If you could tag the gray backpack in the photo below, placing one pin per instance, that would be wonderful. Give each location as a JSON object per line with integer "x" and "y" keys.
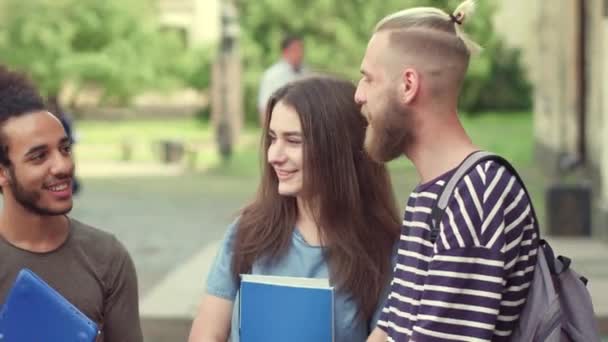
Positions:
{"x": 558, "y": 307}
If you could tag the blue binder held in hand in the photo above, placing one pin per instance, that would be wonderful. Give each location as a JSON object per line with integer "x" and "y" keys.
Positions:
{"x": 278, "y": 309}
{"x": 33, "y": 311}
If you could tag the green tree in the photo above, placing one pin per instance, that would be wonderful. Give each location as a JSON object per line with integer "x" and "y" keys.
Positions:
{"x": 336, "y": 34}
{"x": 113, "y": 44}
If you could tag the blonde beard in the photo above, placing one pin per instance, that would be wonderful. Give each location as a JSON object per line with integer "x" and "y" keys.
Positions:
{"x": 382, "y": 149}
{"x": 387, "y": 136}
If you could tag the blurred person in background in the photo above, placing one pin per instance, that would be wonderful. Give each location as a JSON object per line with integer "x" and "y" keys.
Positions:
{"x": 288, "y": 68}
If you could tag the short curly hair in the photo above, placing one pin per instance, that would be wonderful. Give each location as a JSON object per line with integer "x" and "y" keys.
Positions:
{"x": 18, "y": 96}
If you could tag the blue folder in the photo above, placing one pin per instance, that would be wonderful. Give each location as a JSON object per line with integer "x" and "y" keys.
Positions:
{"x": 33, "y": 311}
{"x": 274, "y": 309}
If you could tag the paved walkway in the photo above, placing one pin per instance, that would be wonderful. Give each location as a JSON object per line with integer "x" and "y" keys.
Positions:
{"x": 176, "y": 296}
{"x": 172, "y": 222}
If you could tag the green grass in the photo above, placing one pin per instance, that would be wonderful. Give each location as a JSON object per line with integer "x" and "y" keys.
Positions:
{"x": 108, "y": 140}
{"x": 102, "y": 140}
{"x": 508, "y": 134}
{"x": 104, "y": 132}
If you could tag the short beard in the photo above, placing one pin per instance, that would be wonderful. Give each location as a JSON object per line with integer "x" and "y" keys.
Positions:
{"x": 29, "y": 199}
{"x": 390, "y": 133}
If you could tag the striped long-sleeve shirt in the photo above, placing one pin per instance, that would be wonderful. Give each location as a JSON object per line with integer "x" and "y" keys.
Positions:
{"x": 470, "y": 285}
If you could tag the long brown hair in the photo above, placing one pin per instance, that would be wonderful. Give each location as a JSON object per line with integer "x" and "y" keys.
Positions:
{"x": 357, "y": 214}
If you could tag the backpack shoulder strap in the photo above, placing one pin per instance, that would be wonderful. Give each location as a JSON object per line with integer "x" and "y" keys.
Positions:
{"x": 465, "y": 167}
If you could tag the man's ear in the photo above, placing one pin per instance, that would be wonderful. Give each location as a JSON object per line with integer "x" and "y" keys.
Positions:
{"x": 5, "y": 176}
{"x": 410, "y": 85}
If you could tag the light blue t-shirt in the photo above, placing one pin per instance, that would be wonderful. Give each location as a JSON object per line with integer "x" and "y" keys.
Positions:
{"x": 302, "y": 260}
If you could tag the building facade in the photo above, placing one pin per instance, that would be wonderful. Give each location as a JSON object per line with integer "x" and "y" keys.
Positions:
{"x": 565, "y": 46}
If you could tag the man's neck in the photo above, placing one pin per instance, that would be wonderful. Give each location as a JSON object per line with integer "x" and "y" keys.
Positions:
{"x": 440, "y": 147}
{"x": 32, "y": 232}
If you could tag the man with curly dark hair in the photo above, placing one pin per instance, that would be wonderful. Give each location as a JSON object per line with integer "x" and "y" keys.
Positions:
{"x": 89, "y": 267}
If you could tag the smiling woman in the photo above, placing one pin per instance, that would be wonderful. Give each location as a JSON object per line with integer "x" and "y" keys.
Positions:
{"x": 285, "y": 149}
{"x": 323, "y": 209}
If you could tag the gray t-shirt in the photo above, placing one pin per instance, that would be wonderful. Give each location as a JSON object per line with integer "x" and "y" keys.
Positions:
{"x": 92, "y": 270}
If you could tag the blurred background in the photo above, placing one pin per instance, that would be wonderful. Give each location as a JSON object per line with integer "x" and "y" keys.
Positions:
{"x": 161, "y": 97}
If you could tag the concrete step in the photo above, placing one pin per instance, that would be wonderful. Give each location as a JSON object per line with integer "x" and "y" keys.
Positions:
{"x": 165, "y": 329}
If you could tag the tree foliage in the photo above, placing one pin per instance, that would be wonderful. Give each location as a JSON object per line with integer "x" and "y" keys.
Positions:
{"x": 336, "y": 34}
{"x": 113, "y": 44}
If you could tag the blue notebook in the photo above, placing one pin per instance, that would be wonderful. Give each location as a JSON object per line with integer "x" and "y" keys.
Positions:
{"x": 274, "y": 309}
{"x": 33, "y": 311}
